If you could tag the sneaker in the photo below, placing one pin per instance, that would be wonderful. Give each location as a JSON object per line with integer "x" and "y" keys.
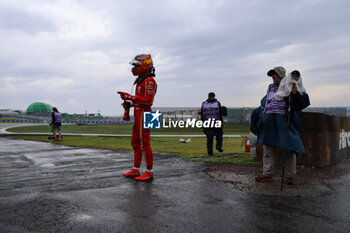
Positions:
{"x": 132, "y": 173}
{"x": 263, "y": 178}
{"x": 145, "y": 176}
{"x": 290, "y": 181}
{"x": 220, "y": 149}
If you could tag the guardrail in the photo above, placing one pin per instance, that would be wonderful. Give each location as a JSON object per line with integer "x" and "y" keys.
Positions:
{"x": 66, "y": 122}
{"x": 22, "y": 121}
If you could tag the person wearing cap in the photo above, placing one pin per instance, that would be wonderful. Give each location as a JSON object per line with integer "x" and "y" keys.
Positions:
{"x": 211, "y": 109}
{"x": 273, "y": 125}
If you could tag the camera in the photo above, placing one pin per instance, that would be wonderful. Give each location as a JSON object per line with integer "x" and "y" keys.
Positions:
{"x": 295, "y": 74}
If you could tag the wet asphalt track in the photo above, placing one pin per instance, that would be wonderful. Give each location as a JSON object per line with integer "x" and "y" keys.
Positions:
{"x": 54, "y": 188}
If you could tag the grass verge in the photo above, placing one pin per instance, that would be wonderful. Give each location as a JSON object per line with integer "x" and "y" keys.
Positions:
{"x": 229, "y": 129}
{"x": 196, "y": 149}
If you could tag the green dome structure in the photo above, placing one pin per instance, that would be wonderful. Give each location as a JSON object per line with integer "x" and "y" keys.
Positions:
{"x": 39, "y": 107}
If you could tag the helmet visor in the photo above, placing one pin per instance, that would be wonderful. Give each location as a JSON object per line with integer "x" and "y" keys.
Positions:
{"x": 135, "y": 62}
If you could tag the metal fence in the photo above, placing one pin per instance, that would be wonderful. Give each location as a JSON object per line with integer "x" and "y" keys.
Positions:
{"x": 66, "y": 122}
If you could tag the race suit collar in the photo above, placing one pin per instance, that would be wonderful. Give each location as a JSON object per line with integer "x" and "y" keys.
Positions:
{"x": 142, "y": 78}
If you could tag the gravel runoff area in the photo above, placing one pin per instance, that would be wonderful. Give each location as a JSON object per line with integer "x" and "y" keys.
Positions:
{"x": 309, "y": 180}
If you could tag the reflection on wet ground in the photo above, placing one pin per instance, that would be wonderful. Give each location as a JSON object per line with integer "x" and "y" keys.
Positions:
{"x": 52, "y": 188}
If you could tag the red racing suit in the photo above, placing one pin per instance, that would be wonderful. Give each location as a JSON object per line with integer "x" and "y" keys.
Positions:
{"x": 140, "y": 141}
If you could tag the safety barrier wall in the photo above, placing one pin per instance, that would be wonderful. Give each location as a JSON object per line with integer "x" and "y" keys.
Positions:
{"x": 326, "y": 139}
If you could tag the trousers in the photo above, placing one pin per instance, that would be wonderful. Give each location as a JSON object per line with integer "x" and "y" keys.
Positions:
{"x": 210, "y": 133}
{"x": 140, "y": 141}
{"x": 269, "y": 162}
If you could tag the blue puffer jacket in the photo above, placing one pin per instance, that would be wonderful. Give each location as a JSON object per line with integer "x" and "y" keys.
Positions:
{"x": 271, "y": 128}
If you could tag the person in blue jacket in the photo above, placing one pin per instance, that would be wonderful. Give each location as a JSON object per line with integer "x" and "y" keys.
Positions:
{"x": 270, "y": 123}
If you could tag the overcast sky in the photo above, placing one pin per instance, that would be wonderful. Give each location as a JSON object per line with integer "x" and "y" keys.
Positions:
{"x": 74, "y": 54}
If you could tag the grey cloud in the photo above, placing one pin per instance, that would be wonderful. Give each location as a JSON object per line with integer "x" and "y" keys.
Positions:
{"x": 197, "y": 46}
{"x": 24, "y": 21}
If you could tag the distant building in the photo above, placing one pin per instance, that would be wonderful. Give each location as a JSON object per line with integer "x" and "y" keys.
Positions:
{"x": 39, "y": 109}
{"x": 6, "y": 111}
{"x": 178, "y": 113}
{"x": 333, "y": 111}
{"x": 235, "y": 115}
{"x": 9, "y": 113}
{"x": 238, "y": 115}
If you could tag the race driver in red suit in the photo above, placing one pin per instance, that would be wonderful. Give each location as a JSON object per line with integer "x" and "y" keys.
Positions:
{"x": 146, "y": 88}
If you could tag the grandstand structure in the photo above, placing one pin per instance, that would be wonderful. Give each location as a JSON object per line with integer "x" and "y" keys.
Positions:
{"x": 40, "y": 112}
{"x": 234, "y": 115}
{"x": 239, "y": 114}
